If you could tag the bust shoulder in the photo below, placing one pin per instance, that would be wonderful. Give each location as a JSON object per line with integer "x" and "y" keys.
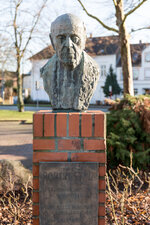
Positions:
{"x": 90, "y": 62}
{"x": 47, "y": 69}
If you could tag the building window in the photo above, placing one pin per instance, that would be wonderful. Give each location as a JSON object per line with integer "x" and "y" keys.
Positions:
{"x": 103, "y": 70}
{"x": 135, "y": 74}
{"x": 135, "y": 91}
{"x": 122, "y": 91}
{"x": 121, "y": 74}
{"x": 146, "y": 91}
{"x": 40, "y": 72}
{"x": 147, "y": 57}
{"x": 147, "y": 73}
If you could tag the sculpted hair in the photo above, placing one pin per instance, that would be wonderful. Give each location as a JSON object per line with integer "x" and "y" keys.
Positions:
{"x": 69, "y": 20}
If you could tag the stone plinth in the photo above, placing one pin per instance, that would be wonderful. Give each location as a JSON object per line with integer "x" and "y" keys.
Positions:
{"x": 69, "y": 137}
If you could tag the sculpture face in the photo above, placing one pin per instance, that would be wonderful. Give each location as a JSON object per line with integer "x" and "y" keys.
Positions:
{"x": 68, "y": 38}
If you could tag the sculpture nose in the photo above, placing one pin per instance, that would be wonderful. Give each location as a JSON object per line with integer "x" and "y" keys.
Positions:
{"x": 68, "y": 42}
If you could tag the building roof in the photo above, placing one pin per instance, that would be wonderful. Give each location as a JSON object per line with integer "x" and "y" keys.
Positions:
{"x": 96, "y": 46}
{"x": 9, "y": 75}
{"x": 46, "y": 53}
{"x": 136, "y": 54}
{"x": 102, "y": 45}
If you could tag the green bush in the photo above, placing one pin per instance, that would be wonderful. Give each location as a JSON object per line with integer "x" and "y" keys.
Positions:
{"x": 111, "y": 82}
{"x": 28, "y": 100}
{"x": 9, "y": 83}
{"x": 128, "y": 131}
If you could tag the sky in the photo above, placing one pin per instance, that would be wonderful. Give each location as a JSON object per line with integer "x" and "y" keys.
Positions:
{"x": 103, "y": 9}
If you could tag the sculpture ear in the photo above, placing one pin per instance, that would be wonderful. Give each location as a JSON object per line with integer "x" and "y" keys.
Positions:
{"x": 50, "y": 36}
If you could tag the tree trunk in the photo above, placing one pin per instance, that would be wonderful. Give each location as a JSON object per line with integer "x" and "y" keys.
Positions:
{"x": 125, "y": 50}
{"x": 19, "y": 87}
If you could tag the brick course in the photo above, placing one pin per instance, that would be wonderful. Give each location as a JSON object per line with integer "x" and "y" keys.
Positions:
{"x": 74, "y": 125}
{"x": 99, "y": 125}
{"x": 49, "y": 124}
{"x": 102, "y": 171}
{"x": 43, "y": 144}
{"x": 35, "y": 210}
{"x": 86, "y": 125}
{"x": 38, "y": 125}
{"x": 61, "y": 124}
{"x": 94, "y": 144}
{"x": 88, "y": 157}
{"x": 35, "y": 170}
{"x": 70, "y": 144}
{"x": 35, "y": 221}
{"x": 35, "y": 183}
{"x": 35, "y": 197}
{"x": 49, "y": 157}
{"x": 102, "y": 197}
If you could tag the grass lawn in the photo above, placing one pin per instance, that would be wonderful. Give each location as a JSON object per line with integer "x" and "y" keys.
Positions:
{"x": 14, "y": 115}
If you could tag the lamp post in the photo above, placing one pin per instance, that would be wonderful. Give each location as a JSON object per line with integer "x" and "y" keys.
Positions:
{"x": 37, "y": 87}
{"x": 3, "y": 83}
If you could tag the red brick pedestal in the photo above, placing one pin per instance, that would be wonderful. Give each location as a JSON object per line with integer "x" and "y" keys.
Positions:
{"x": 69, "y": 137}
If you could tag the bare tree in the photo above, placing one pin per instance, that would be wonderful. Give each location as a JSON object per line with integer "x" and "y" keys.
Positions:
{"x": 21, "y": 44}
{"x": 21, "y": 28}
{"x": 123, "y": 34}
{"x": 7, "y": 56}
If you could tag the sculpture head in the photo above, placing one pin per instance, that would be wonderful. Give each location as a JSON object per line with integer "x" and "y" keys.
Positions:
{"x": 68, "y": 37}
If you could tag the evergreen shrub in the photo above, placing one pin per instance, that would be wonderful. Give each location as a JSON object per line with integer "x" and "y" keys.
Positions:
{"x": 128, "y": 131}
{"x": 111, "y": 81}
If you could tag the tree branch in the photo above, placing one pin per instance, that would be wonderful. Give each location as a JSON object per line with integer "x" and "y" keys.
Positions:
{"x": 33, "y": 27}
{"x": 96, "y": 18}
{"x": 15, "y": 27}
{"x": 142, "y": 28}
{"x": 20, "y": 39}
{"x": 9, "y": 33}
{"x": 133, "y": 10}
{"x": 115, "y": 3}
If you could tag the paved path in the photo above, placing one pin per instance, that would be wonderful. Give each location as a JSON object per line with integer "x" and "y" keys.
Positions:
{"x": 16, "y": 142}
{"x": 30, "y": 108}
{"x": 26, "y": 108}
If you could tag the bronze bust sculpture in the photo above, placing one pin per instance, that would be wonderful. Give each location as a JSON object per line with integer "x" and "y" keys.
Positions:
{"x": 71, "y": 75}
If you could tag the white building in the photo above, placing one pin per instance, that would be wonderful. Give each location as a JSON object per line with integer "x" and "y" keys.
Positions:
{"x": 106, "y": 52}
{"x": 27, "y": 85}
